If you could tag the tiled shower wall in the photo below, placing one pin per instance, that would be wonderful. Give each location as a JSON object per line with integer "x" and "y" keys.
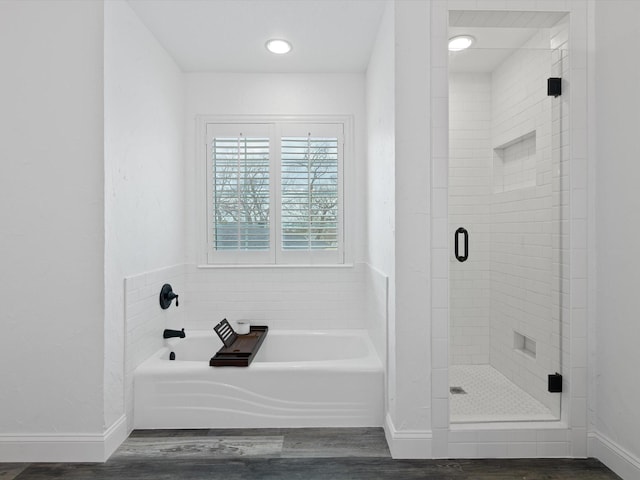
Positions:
{"x": 145, "y": 321}
{"x": 522, "y": 226}
{"x": 469, "y": 203}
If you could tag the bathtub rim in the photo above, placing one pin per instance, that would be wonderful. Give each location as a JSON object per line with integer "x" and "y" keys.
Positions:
{"x": 370, "y": 362}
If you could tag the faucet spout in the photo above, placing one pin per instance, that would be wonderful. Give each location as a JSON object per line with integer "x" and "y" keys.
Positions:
{"x": 173, "y": 333}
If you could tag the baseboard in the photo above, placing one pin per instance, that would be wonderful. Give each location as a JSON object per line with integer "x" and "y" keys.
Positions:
{"x": 407, "y": 444}
{"x": 114, "y": 436}
{"x": 63, "y": 447}
{"x": 622, "y": 462}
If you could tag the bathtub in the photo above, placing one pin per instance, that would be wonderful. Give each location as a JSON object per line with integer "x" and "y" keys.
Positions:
{"x": 330, "y": 378}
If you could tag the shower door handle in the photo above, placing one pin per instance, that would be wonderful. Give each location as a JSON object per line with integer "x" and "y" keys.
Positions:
{"x": 461, "y": 256}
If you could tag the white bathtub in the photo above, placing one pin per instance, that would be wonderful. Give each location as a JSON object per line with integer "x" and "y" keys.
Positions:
{"x": 298, "y": 379}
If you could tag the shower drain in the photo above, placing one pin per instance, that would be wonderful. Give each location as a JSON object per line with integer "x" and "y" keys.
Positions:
{"x": 457, "y": 390}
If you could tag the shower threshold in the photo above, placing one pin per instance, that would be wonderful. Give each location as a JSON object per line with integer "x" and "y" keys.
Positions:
{"x": 491, "y": 397}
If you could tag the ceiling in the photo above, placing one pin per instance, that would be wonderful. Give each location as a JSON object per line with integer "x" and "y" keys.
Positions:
{"x": 229, "y": 35}
{"x": 328, "y": 36}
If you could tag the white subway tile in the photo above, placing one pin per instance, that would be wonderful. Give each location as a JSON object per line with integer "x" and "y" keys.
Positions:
{"x": 493, "y": 450}
{"x": 463, "y": 450}
{"x": 522, "y": 450}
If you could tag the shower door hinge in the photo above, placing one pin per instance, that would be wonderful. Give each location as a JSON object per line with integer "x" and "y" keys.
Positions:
{"x": 554, "y": 86}
{"x": 555, "y": 383}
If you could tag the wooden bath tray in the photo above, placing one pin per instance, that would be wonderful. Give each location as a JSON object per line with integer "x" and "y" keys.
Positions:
{"x": 242, "y": 351}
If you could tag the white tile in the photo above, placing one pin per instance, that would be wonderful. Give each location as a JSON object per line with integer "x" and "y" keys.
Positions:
{"x": 440, "y": 263}
{"x": 440, "y": 354}
{"x": 579, "y": 292}
{"x": 492, "y": 450}
{"x": 579, "y": 233}
{"x": 522, "y": 436}
{"x": 439, "y": 82}
{"x": 439, "y": 205}
{"x": 579, "y": 263}
{"x": 440, "y": 413}
{"x": 440, "y": 113}
{"x": 440, "y": 323}
{"x": 440, "y": 141}
{"x": 579, "y": 442}
{"x": 439, "y": 445}
{"x": 579, "y": 173}
{"x": 553, "y": 435}
{"x": 465, "y": 436}
{"x": 440, "y": 384}
{"x": 579, "y": 203}
{"x": 522, "y": 450}
{"x": 440, "y": 172}
{"x": 579, "y": 352}
{"x": 578, "y": 377}
{"x": 463, "y": 450}
{"x": 553, "y": 449}
{"x": 440, "y": 293}
{"x": 490, "y": 396}
{"x": 439, "y": 51}
{"x": 579, "y": 142}
{"x": 579, "y": 412}
{"x": 440, "y": 232}
{"x": 493, "y": 436}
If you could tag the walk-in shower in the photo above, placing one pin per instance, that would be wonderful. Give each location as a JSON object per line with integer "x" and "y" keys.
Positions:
{"x": 507, "y": 174}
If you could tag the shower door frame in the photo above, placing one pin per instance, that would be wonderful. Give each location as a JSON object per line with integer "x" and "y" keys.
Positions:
{"x": 568, "y": 436}
{"x": 505, "y": 303}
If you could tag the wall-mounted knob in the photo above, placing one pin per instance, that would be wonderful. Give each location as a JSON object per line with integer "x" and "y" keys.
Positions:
{"x": 167, "y": 296}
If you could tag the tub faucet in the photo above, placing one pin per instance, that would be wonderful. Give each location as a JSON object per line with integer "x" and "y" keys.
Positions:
{"x": 173, "y": 333}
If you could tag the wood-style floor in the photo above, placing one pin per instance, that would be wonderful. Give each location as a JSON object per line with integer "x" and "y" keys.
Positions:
{"x": 288, "y": 454}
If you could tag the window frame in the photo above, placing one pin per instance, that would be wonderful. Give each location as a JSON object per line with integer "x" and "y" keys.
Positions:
{"x": 279, "y": 126}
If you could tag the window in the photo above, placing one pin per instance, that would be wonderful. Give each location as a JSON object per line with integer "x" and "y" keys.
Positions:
{"x": 274, "y": 193}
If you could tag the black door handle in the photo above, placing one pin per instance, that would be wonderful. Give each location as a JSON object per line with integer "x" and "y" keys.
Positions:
{"x": 465, "y": 254}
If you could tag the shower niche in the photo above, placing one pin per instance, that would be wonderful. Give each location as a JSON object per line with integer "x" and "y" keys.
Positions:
{"x": 514, "y": 164}
{"x": 506, "y": 174}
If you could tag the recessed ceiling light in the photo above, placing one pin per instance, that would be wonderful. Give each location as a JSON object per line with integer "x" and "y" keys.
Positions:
{"x": 460, "y": 42}
{"x": 278, "y": 46}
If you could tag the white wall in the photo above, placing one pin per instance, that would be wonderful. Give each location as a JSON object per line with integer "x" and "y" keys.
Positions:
{"x": 618, "y": 329}
{"x": 52, "y": 235}
{"x": 409, "y": 361}
{"x": 381, "y": 147}
{"x": 380, "y": 181}
{"x": 144, "y": 174}
{"x": 284, "y": 297}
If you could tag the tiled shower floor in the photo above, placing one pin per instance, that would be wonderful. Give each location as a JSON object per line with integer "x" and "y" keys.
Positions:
{"x": 491, "y": 397}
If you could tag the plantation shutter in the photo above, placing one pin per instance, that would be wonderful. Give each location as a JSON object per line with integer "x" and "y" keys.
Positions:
{"x": 310, "y": 196}
{"x": 275, "y": 193}
{"x": 240, "y": 190}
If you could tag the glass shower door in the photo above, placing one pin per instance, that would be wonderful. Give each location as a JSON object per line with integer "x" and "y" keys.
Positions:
{"x": 507, "y": 262}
